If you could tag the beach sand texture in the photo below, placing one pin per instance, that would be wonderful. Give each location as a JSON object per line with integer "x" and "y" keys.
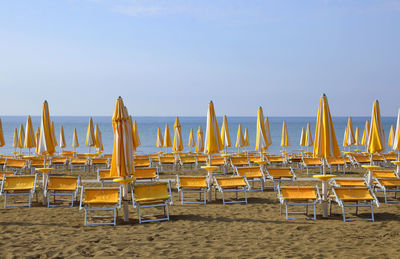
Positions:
{"x": 255, "y": 230}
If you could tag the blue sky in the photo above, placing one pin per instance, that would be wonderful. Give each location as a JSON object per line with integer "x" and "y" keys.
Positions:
{"x": 171, "y": 57}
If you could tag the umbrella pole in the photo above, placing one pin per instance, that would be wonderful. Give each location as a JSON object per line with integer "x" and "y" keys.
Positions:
{"x": 210, "y": 180}
{"x": 324, "y": 193}
{"x": 125, "y": 202}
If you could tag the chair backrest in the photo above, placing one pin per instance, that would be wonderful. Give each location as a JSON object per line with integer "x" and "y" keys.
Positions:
{"x": 145, "y": 173}
{"x": 59, "y": 160}
{"x": 226, "y": 182}
{"x": 390, "y": 157}
{"x": 350, "y": 182}
{"x": 336, "y": 161}
{"x": 152, "y": 192}
{"x": 15, "y": 163}
{"x": 311, "y": 161}
{"x": 141, "y": 157}
{"x": 167, "y": 160}
{"x": 202, "y": 158}
{"x": 104, "y": 195}
{"x": 239, "y": 161}
{"x": 377, "y": 157}
{"x": 298, "y": 192}
{"x": 353, "y": 193}
{"x": 78, "y": 160}
{"x": 155, "y": 157}
{"x": 2, "y": 161}
{"x": 20, "y": 182}
{"x": 384, "y": 174}
{"x": 192, "y": 181}
{"x": 143, "y": 162}
{"x": 276, "y": 159}
{"x": 99, "y": 161}
{"x": 62, "y": 183}
{"x": 37, "y": 163}
{"x": 249, "y": 172}
{"x": 217, "y": 161}
{"x": 280, "y": 172}
{"x": 105, "y": 174}
{"x": 362, "y": 158}
{"x": 187, "y": 159}
{"x": 2, "y": 174}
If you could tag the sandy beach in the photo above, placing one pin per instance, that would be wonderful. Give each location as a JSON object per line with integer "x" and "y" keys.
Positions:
{"x": 255, "y": 230}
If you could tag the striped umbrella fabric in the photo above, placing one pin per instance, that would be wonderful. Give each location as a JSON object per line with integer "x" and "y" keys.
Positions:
{"x": 30, "y": 141}
{"x": 62, "y": 138}
{"x": 98, "y": 140}
{"x": 376, "y": 135}
{"x": 21, "y": 138}
{"x": 167, "y": 137}
{"x": 267, "y": 131}
{"x": 178, "y": 145}
{"x": 349, "y": 139}
{"x": 357, "y": 137}
{"x": 365, "y": 135}
{"x": 261, "y": 137}
{"x": 75, "y": 141}
{"x": 37, "y": 137}
{"x": 302, "y": 138}
{"x": 2, "y": 142}
{"x": 135, "y": 133}
{"x": 191, "y": 142}
{"x": 159, "y": 142}
{"x": 90, "y": 142}
{"x": 200, "y": 140}
{"x": 212, "y": 142}
{"x": 285, "y": 136}
{"x": 46, "y": 140}
{"x": 226, "y": 140}
{"x": 396, "y": 139}
{"x": 239, "y": 138}
{"x": 309, "y": 139}
{"x": 391, "y": 136}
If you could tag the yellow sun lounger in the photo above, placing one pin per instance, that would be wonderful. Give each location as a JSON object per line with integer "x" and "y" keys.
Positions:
{"x": 59, "y": 162}
{"x": 100, "y": 199}
{"x": 78, "y": 163}
{"x": 21, "y": 185}
{"x": 298, "y": 196}
{"x": 279, "y": 174}
{"x": 187, "y": 161}
{"x": 336, "y": 162}
{"x": 103, "y": 176}
{"x": 37, "y": 163}
{"x": 239, "y": 162}
{"x": 349, "y": 182}
{"x": 234, "y": 184}
{"x": 96, "y": 163}
{"x": 167, "y": 161}
{"x": 146, "y": 174}
{"x": 347, "y": 197}
{"x": 61, "y": 186}
{"x": 17, "y": 165}
{"x": 388, "y": 185}
{"x": 5, "y": 173}
{"x": 152, "y": 195}
{"x": 253, "y": 174}
{"x": 142, "y": 162}
{"x": 192, "y": 184}
{"x": 310, "y": 162}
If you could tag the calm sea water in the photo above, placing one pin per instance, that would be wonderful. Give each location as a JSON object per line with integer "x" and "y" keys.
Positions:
{"x": 147, "y": 127}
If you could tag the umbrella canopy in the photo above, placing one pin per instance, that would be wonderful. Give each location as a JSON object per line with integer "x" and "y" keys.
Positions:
{"x": 285, "y": 136}
{"x": 62, "y": 138}
{"x": 2, "y": 143}
{"x": 212, "y": 143}
{"x": 365, "y": 135}
{"x": 75, "y": 142}
{"x": 246, "y": 138}
{"x": 15, "y": 138}
{"x": 325, "y": 145}
{"x": 135, "y": 134}
{"x": 261, "y": 137}
{"x": 30, "y": 141}
{"x": 396, "y": 140}
{"x": 376, "y": 136}
{"x": 348, "y": 139}
{"x": 21, "y": 138}
{"x": 159, "y": 142}
{"x": 391, "y": 136}
{"x": 200, "y": 139}
{"x": 178, "y": 146}
{"x": 226, "y": 140}
{"x": 37, "y": 137}
{"x": 302, "y": 138}
{"x": 357, "y": 137}
{"x": 98, "y": 141}
{"x": 131, "y": 126}
{"x": 267, "y": 131}
{"x": 191, "y": 142}
{"x": 122, "y": 156}
{"x": 90, "y": 141}
{"x": 46, "y": 140}
{"x": 239, "y": 138}
{"x": 309, "y": 140}
{"x": 167, "y": 137}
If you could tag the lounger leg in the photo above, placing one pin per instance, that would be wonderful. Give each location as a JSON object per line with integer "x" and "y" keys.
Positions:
{"x": 315, "y": 212}
{"x": 384, "y": 191}
{"x": 72, "y": 200}
{"x": 182, "y": 197}
{"x": 166, "y": 206}
{"x": 223, "y": 198}
{"x": 287, "y": 211}
{"x": 372, "y": 212}
{"x": 205, "y": 196}
{"x": 85, "y": 217}
{"x": 140, "y": 218}
{"x": 5, "y": 200}
{"x": 357, "y": 208}
{"x": 115, "y": 216}
{"x": 245, "y": 195}
{"x": 344, "y": 214}
{"x": 30, "y": 198}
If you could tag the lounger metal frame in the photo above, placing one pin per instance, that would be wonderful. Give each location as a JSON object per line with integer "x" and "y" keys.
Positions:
{"x": 386, "y": 189}
{"x": 182, "y": 190}
{"x": 261, "y": 179}
{"x": 29, "y": 194}
{"x": 236, "y": 191}
{"x": 280, "y": 179}
{"x": 54, "y": 193}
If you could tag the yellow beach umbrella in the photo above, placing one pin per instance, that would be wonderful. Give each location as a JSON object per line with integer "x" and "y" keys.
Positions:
{"x": 191, "y": 142}
{"x": 130, "y": 124}
{"x": 46, "y": 140}
{"x": 200, "y": 139}
{"x": 309, "y": 140}
{"x": 177, "y": 146}
{"x": 396, "y": 139}
{"x": 261, "y": 137}
{"x": 357, "y": 137}
{"x": 239, "y": 138}
{"x": 98, "y": 141}
{"x": 75, "y": 142}
{"x": 90, "y": 142}
{"x": 21, "y": 138}
{"x": 212, "y": 142}
{"x": 30, "y": 141}
{"x": 391, "y": 136}
{"x": 226, "y": 140}
{"x": 348, "y": 139}
{"x": 15, "y": 139}
{"x": 37, "y": 137}
{"x": 302, "y": 138}
{"x": 267, "y": 131}
{"x": 135, "y": 133}
{"x": 159, "y": 142}
{"x": 53, "y": 130}
{"x": 365, "y": 136}
{"x": 167, "y": 137}
{"x": 285, "y": 136}
{"x": 62, "y": 138}
{"x": 376, "y": 136}
{"x": 2, "y": 142}
{"x": 246, "y": 138}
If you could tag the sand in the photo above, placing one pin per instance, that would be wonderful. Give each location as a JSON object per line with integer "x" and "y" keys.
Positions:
{"x": 255, "y": 230}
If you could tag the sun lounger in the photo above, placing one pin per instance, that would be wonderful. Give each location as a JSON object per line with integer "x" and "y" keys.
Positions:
{"x": 336, "y": 162}
{"x": 142, "y": 162}
{"x": 37, "y": 163}
{"x": 2, "y": 163}
{"x": 100, "y": 199}
{"x": 386, "y": 181}
{"x": 253, "y": 174}
{"x": 103, "y": 176}
{"x": 310, "y": 162}
{"x": 61, "y": 186}
{"x": 276, "y": 159}
{"x": 192, "y": 184}
{"x": 234, "y": 184}
{"x": 5, "y": 173}
{"x": 167, "y": 161}
{"x": 347, "y": 197}
{"x": 359, "y": 159}
{"x": 96, "y": 163}
{"x": 16, "y": 165}
{"x": 152, "y": 195}
{"x": 277, "y": 175}
{"x": 21, "y": 185}
{"x": 350, "y": 182}
{"x": 239, "y": 162}
{"x": 146, "y": 174}
{"x": 188, "y": 161}
{"x": 201, "y": 159}
{"x": 298, "y": 196}
{"x": 78, "y": 163}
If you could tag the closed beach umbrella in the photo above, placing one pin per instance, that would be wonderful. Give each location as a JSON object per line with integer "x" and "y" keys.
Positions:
{"x": 261, "y": 138}
{"x": 239, "y": 138}
{"x": 135, "y": 133}
{"x": 90, "y": 135}
{"x": 200, "y": 139}
{"x": 15, "y": 139}
{"x": 75, "y": 141}
{"x": 21, "y": 138}
{"x": 167, "y": 137}
{"x": 159, "y": 142}
{"x": 2, "y": 142}
{"x": 191, "y": 142}
{"x": 348, "y": 139}
{"x": 285, "y": 136}
{"x": 212, "y": 142}
{"x": 246, "y": 138}
{"x": 396, "y": 139}
{"x": 177, "y": 146}
{"x": 309, "y": 140}
{"x": 53, "y": 132}
{"x": 267, "y": 131}
{"x": 62, "y": 138}
{"x": 357, "y": 137}
{"x": 30, "y": 140}
{"x": 130, "y": 124}
{"x": 391, "y": 136}
{"x": 98, "y": 141}
{"x": 302, "y": 138}
{"x": 376, "y": 136}
{"x": 365, "y": 135}
{"x": 226, "y": 140}
{"x": 46, "y": 141}
{"x": 37, "y": 137}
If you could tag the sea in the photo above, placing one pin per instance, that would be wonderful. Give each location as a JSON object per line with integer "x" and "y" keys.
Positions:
{"x": 147, "y": 127}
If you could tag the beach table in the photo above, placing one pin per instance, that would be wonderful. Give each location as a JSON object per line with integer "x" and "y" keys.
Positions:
{"x": 324, "y": 179}
{"x": 45, "y": 173}
{"x": 210, "y": 169}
